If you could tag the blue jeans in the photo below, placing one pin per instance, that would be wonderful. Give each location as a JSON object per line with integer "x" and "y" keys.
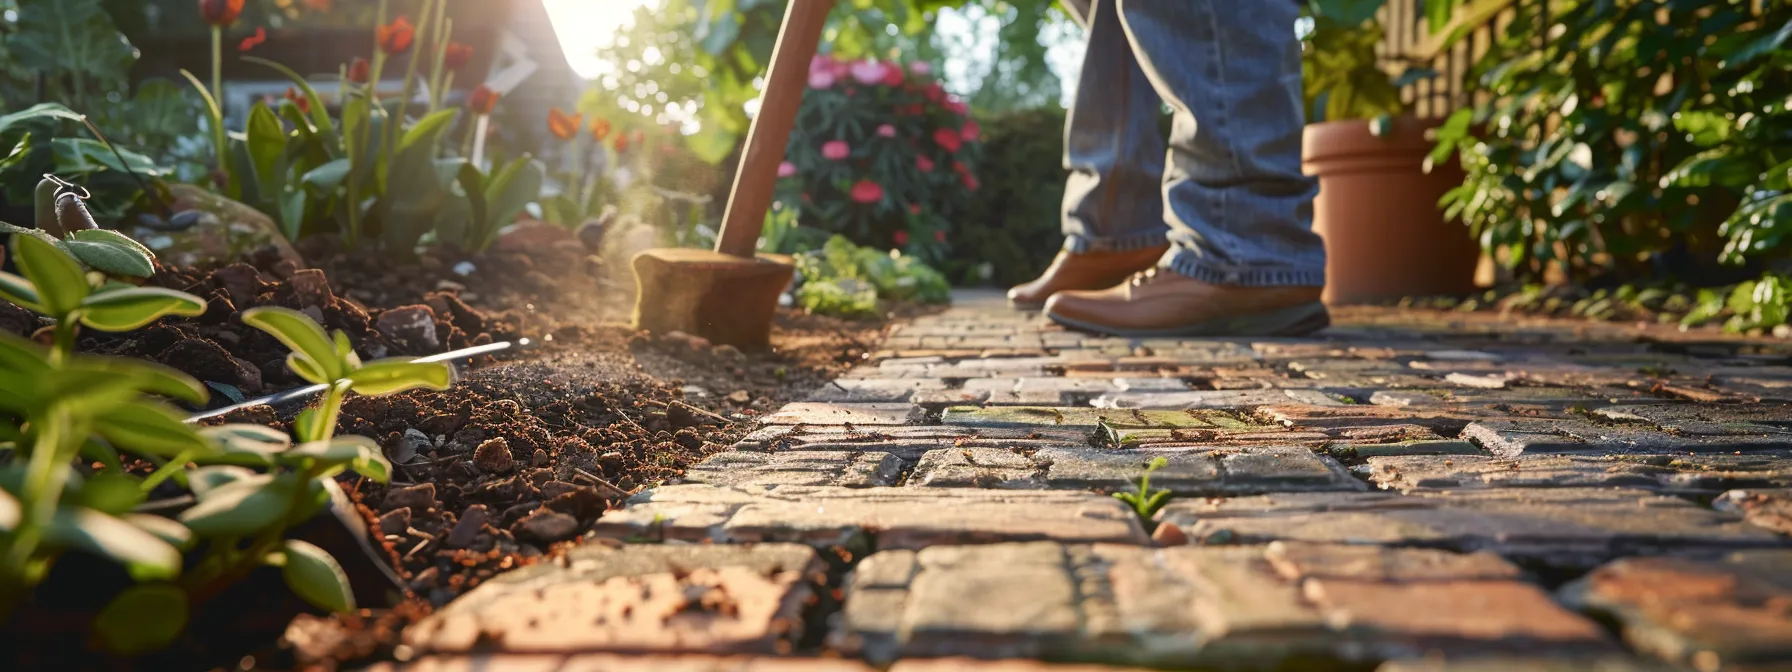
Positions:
{"x": 1229, "y": 194}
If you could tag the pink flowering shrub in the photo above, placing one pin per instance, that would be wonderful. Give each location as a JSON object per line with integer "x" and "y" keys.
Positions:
{"x": 881, "y": 154}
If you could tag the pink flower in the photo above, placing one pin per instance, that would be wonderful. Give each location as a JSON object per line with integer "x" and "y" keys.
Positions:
{"x": 934, "y": 92}
{"x": 924, "y": 164}
{"x": 971, "y": 131}
{"x": 866, "y": 191}
{"x": 920, "y": 69}
{"x": 939, "y": 236}
{"x": 948, "y": 139}
{"x": 835, "y": 150}
{"x": 868, "y": 71}
{"x": 901, "y": 237}
{"x": 887, "y": 131}
{"x": 821, "y": 79}
{"x": 786, "y": 169}
{"x": 970, "y": 181}
{"x": 892, "y": 75}
{"x": 914, "y": 208}
{"x": 956, "y": 106}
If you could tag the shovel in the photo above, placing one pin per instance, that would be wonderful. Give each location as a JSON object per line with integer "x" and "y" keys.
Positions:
{"x": 729, "y": 295}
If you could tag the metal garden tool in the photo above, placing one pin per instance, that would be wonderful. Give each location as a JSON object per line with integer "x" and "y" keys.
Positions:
{"x": 729, "y": 295}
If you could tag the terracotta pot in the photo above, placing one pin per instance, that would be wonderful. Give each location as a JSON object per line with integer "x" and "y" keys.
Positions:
{"x": 1385, "y": 237}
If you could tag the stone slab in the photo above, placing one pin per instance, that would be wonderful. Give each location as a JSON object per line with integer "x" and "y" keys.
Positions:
{"x": 1727, "y": 613}
{"x": 1765, "y": 507}
{"x": 1238, "y": 399}
{"x": 852, "y": 469}
{"x": 908, "y": 443}
{"x": 1255, "y": 607}
{"x": 874, "y": 390}
{"x": 976, "y": 468}
{"x": 1087, "y": 418}
{"x": 873, "y": 518}
{"x": 1562, "y": 527}
{"x": 640, "y": 599}
{"x": 817, "y": 413}
{"x": 605, "y": 662}
{"x": 1529, "y": 436}
{"x": 1691, "y": 474}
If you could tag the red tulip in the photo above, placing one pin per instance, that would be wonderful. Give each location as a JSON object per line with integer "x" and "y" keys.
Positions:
{"x": 252, "y": 41}
{"x": 220, "y": 13}
{"x": 359, "y": 71}
{"x": 948, "y": 138}
{"x": 457, "y": 56}
{"x": 395, "y": 38}
{"x": 304, "y": 102}
{"x": 564, "y": 126}
{"x": 483, "y": 99}
{"x": 866, "y": 191}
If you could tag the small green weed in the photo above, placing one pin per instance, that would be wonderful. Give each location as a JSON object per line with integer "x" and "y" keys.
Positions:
{"x": 1146, "y": 502}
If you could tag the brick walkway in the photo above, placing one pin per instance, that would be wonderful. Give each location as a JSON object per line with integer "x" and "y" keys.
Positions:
{"x": 1404, "y": 494}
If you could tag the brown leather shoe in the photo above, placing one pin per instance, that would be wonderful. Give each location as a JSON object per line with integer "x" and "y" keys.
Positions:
{"x": 1087, "y": 270}
{"x": 1161, "y": 303}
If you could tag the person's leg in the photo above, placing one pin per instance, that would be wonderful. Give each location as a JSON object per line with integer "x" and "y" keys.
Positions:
{"x": 1244, "y": 258}
{"x": 1113, "y": 214}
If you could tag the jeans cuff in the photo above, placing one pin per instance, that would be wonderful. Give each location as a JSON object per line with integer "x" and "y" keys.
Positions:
{"x": 1080, "y": 244}
{"x": 1186, "y": 263}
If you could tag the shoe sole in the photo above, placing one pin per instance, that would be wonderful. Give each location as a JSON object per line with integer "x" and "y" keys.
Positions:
{"x": 1298, "y": 320}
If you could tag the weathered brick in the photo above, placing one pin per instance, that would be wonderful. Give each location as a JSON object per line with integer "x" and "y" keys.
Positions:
{"x": 881, "y": 518}
{"x": 1728, "y": 613}
{"x": 817, "y": 413}
{"x": 710, "y": 599}
{"x": 608, "y": 662}
{"x": 1566, "y": 527}
{"x": 1085, "y": 418}
{"x": 1523, "y": 436}
{"x": 830, "y": 467}
{"x": 1768, "y": 508}
{"x": 1255, "y": 607}
{"x": 1197, "y": 470}
{"x": 976, "y": 468}
{"x": 874, "y": 390}
{"x": 1686, "y": 474}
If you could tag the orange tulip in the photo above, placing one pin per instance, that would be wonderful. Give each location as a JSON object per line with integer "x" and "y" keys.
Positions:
{"x": 563, "y": 126}
{"x": 359, "y": 71}
{"x": 253, "y": 41}
{"x": 600, "y": 129}
{"x": 457, "y": 56}
{"x": 395, "y": 38}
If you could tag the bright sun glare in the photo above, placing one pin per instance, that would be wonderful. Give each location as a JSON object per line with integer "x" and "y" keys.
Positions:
{"x": 585, "y": 25}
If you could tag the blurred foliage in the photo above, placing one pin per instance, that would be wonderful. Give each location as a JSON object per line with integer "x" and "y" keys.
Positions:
{"x": 705, "y": 59}
{"x": 846, "y": 280}
{"x": 1012, "y": 226}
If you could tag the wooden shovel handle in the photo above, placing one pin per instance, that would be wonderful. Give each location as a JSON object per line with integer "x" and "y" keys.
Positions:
{"x": 784, "y": 85}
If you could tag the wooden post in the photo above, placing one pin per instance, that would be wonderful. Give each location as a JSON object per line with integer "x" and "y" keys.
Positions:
{"x": 784, "y": 85}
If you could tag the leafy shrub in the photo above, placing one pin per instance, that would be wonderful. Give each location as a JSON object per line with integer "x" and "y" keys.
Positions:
{"x": 845, "y": 280}
{"x": 1624, "y": 142}
{"x": 1012, "y": 227}
{"x": 62, "y": 412}
{"x": 37, "y": 140}
{"x": 882, "y": 155}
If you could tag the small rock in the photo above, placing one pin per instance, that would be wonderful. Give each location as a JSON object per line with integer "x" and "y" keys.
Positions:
{"x": 395, "y": 521}
{"x": 284, "y": 269}
{"x": 493, "y": 457}
{"x": 413, "y": 325}
{"x": 464, "y": 268}
{"x": 591, "y": 234}
{"x": 418, "y": 498}
{"x": 583, "y": 503}
{"x": 310, "y": 287}
{"x": 541, "y": 458}
{"x": 694, "y": 392}
{"x": 692, "y": 342}
{"x": 740, "y": 396}
{"x": 242, "y": 281}
{"x": 446, "y": 285}
{"x": 730, "y": 353}
{"x": 1169, "y": 534}
{"x": 315, "y": 313}
{"x": 471, "y": 520}
{"x": 546, "y": 526}
{"x": 409, "y": 445}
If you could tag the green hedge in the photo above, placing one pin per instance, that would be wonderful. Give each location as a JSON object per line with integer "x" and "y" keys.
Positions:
{"x": 1010, "y": 231}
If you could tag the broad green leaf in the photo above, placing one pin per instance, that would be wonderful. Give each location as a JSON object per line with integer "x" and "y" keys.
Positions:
{"x": 146, "y": 556}
{"x": 113, "y": 494}
{"x": 246, "y": 445}
{"x": 320, "y": 115}
{"x": 316, "y": 577}
{"x": 20, "y": 292}
{"x": 325, "y": 179}
{"x": 111, "y": 258}
{"x": 142, "y": 619}
{"x": 355, "y": 452}
{"x": 165, "y": 529}
{"x": 110, "y": 236}
{"x": 345, "y": 350}
{"x": 397, "y": 374}
{"x": 511, "y": 190}
{"x": 128, "y": 309}
{"x": 206, "y": 480}
{"x": 303, "y": 336}
{"x": 38, "y": 111}
{"x": 266, "y": 142}
{"x": 151, "y": 429}
{"x": 60, "y": 282}
{"x": 242, "y": 508}
{"x": 142, "y": 375}
{"x": 427, "y": 131}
